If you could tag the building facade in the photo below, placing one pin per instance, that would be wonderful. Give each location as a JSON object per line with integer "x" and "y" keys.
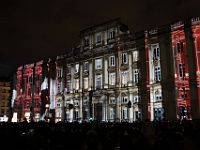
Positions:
{"x": 4, "y": 100}
{"x": 115, "y": 75}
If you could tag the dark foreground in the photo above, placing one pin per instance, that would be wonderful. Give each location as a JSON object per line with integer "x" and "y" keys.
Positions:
{"x": 101, "y": 136}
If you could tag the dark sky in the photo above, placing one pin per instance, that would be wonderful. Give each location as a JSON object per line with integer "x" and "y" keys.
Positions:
{"x": 34, "y": 29}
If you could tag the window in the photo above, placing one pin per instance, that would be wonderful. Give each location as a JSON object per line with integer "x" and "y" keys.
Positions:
{"x": 112, "y": 100}
{"x": 124, "y": 113}
{"x": 76, "y": 114}
{"x": 157, "y": 74}
{"x": 124, "y": 58}
{"x": 98, "y": 81}
{"x": 77, "y": 68}
{"x": 181, "y": 70}
{"x": 59, "y": 73}
{"x": 124, "y": 99}
{"x": 112, "y": 113}
{"x": 158, "y": 95}
{"x": 98, "y": 63}
{"x": 86, "y": 41}
{"x": 111, "y": 34}
{"x": 98, "y": 38}
{"x": 112, "y": 78}
{"x": 136, "y": 99}
{"x": 68, "y": 69}
{"x": 135, "y": 56}
{"x": 86, "y": 66}
{"x": 85, "y": 83}
{"x": 124, "y": 77}
{"x": 180, "y": 47}
{"x": 76, "y": 84}
{"x": 136, "y": 76}
{"x": 68, "y": 85}
{"x": 156, "y": 53}
{"x": 59, "y": 87}
{"x": 112, "y": 61}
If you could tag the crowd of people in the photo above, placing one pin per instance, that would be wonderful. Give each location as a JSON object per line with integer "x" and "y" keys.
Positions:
{"x": 101, "y": 136}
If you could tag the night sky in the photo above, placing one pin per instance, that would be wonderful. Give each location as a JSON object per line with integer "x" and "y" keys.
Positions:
{"x": 31, "y": 30}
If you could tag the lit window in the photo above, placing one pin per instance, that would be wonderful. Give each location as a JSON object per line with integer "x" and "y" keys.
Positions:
{"x": 98, "y": 81}
{"x": 86, "y": 66}
{"x": 112, "y": 61}
{"x": 136, "y": 76}
{"x": 124, "y": 99}
{"x": 125, "y": 113}
{"x": 68, "y": 85}
{"x": 112, "y": 113}
{"x": 111, "y": 34}
{"x": 158, "y": 95}
{"x": 112, "y": 78}
{"x": 85, "y": 83}
{"x": 77, "y": 68}
{"x": 76, "y": 84}
{"x": 68, "y": 69}
{"x": 156, "y": 53}
{"x": 59, "y": 73}
{"x": 98, "y": 63}
{"x": 124, "y": 77}
{"x": 98, "y": 38}
{"x": 124, "y": 58}
{"x": 86, "y": 41}
{"x": 112, "y": 100}
{"x": 135, "y": 56}
{"x": 157, "y": 74}
{"x": 59, "y": 87}
{"x": 181, "y": 70}
{"x": 180, "y": 47}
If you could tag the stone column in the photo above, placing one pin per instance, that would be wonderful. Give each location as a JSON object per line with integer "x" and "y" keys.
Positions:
{"x": 130, "y": 81}
{"x": 105, "y": 73}
{"x": 167, "y": 74}
{"x": 192, "y": 66}
{"x": 142, "y": 87}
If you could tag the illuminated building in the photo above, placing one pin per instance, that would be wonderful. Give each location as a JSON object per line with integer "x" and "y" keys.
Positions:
{"x": 114, "y": 75}
{"x": 4, "y": 100}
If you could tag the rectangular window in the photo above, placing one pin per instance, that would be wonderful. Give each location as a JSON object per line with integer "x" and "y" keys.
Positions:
{"x": 112, "y": 61}
{"x": 156, "y": 53}
{"x": 136, "y": 99}
{"x": 77, "y": 68}
{"x": 181, "y": 70}
{"x": 68, "y": 71}
{"x": 59, "y": 87}
{"x": 135, "y": 56}
{"x": 124, "y": 99}
{"x": 124, "y": 77}
{"x": 85, "y": 83}
{"x": 125, "y": 113}
{"x": 111, "y": 35}
{"x": 112, "y": 78}
{"x": 180, "y": 47}
{"x": 136, "y": 76}
{"x": 98, "y": 81}
{"x": 98, "y": 38}
{"x": 98, "y": 63}
{"x": 86, "y": 66}
{"x": 76, "y": 84}
{"x": 86, "y": 42}
{"x": 124, "y": 58}
{"x": 157, "y": 74}
{"x": 112, "y": 114}
{"x": 59, "y": 73}
{"x": 112, "y": 100}
{"x": 68, "y": 85}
